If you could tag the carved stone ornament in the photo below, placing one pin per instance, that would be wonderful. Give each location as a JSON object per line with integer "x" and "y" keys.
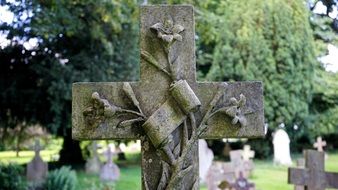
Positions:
{"x": 168, "y": 109}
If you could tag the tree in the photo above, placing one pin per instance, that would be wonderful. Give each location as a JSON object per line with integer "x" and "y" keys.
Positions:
{"x": 76, "y": 41}
{"x": 269, "y": 41}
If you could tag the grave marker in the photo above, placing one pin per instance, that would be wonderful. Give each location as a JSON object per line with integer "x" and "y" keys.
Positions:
{"x": 319, "y": 144}
{"x": 93, "y": 164}
{"x": 247, "y": 154}
{"x": 37, "y": 169}
{"x": 242, "y": 183}
{"x": 168, "y": 110}
{"x": 313, "y": 176}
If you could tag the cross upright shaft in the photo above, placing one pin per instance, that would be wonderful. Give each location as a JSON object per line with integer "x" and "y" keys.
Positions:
{"x": 168, "y": 110}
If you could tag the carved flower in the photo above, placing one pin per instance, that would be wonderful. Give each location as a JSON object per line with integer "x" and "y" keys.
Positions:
{"x": 235, "y": 110}
{"x": 167, "y": 31}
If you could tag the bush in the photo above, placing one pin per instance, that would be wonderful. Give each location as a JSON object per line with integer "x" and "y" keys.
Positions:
{"x": 11, "y": 177}
{"x": 61, "y": 179}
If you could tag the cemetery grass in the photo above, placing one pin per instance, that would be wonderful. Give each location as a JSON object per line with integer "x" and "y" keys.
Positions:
{"x": 266, "y": 175}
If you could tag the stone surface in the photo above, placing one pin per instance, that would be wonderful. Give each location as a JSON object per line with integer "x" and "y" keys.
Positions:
{"x": 206, "y": 156}
{"x": 93, "y": 164}
{"x": 168, "y": 110}
{"x": 109, "y": 171}
{"x": 319, "y": 144}
{"x": 300, "y": 164}
{"x": 37, "y": 169}
{"x": 313, "y": 176}
{"x": 281, "y": 148}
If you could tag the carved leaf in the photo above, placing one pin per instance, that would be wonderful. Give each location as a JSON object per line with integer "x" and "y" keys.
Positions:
{"x": 130, "y": 93}
{"x": 165, "y": 175}
{"x": 150, "y": 59}
{"x": 242, "y": 121}
{"x": 177, "y": 29}
{"x": 176, "y": 150}
{"x": 129, "y": 122}
{"x": 242, "y": 100}
{"x": 235, "y": 120}
{"x": 231, "y": 111}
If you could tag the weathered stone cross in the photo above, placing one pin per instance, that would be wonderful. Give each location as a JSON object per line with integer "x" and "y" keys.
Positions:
{"x": 313, "y": 177}
{"x": 168, "y": 110}
{"x": 319, "y": 144}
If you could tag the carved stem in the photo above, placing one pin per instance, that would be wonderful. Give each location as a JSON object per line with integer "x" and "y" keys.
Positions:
{"x": 132, "y": 112}
{"x": 202, "y": 127}
{"x": 150, "y": 59}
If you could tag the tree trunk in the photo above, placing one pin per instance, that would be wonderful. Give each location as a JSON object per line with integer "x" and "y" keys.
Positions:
{"x": 70, "y": 153}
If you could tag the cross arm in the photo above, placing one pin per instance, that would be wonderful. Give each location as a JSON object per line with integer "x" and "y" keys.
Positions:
{"x": 220, "y": 125}
{"x": 298, "y": 176}
{"x": 99, "y": 125}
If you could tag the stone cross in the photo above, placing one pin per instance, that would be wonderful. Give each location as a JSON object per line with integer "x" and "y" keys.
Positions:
{"x": 313, "y": 176}
{"x": 168, "y": 109}
{"x": 247, "y": 153}
{"x": 93, "y": 164}
{"x": 319, "y": 144}
{"x": 37, "y": 169}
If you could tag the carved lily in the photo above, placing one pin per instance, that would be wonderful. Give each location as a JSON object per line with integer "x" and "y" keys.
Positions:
{"x": 234, "y": 110}
{"x": 168, "y": 31}
{"x": 108, "y": 109}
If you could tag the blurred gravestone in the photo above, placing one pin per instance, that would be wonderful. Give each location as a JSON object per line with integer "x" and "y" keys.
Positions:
{"x": 37, "y": 169}
{"x": 93, "y": 164}
{"x": 281, "y": 148}
{"x": 206, "y": 157}
{"x": 242, "y": 183}
{"x": 313, "y": 176}
{"x": 220, "y": 172}
{"x": 240, "y": 165}
{"x": 109, "y": 171}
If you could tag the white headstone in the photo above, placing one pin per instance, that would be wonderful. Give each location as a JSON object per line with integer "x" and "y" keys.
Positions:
{"x": 206, "y": 157}
{"x": 109, "y": 171}
{"x": 37, "y": 169}
{"x": 281, "y": 148}
{"x": 93, "y": 164}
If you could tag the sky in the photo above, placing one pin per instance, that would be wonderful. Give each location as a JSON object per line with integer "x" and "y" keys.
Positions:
{"x": 330, "y": 61}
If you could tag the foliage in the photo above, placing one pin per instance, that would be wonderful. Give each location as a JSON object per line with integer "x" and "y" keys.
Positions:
{"x": 63, "y": 179}
{"x": 77, "y": 41}
{"x": 269, "y": 42}
{"x": 11, "y": 177}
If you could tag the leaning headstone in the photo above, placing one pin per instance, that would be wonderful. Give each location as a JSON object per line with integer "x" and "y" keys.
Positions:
{"x": 319, "y": 144}
{"x": 242, "y": 183}
{"x": 37, "y": 169}
{"x": 313, "y": 176}
{"x": 168, "y": 109}
{"x": 220, "y": 172}
{"x": 281, "y": 148}
{"x": 109, "y": 171}
{"x": 93, "y": 164}
{"x": 206, "y": 157}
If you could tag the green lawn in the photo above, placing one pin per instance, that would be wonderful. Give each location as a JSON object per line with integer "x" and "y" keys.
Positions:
{"x": 26, "y": 156}
{"x": 266, "y": 175}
